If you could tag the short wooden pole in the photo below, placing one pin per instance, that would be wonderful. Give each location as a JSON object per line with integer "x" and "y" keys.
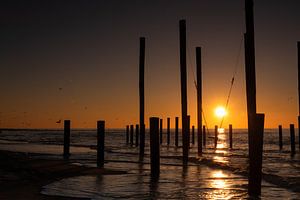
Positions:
{"x": 176, "y": 131}
{"x": 230, "y": 136}
{"x": 168, "y": 131}
{"x": 131, "y": 135}
{"x": 256, "y": 156}
{"x": 100, "y": 143}
{"x": 67, "y": 132}
{"x": 299, "y": 130}
{"x": 204, "y": 136}
{"x": 160, "y": 131}
{"x": 193, "y": 134}
{"x": 137, "y": 133}
{"x": 154, "y": 147}
{"x": 127, "y": 134}
{"x": 292, "y": 134}
{"x": 216, "y": 136}
{"x": 280, "y": 136}
{"x": 189, "y": 129}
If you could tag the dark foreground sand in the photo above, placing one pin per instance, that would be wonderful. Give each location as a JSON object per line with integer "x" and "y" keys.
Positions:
{"x": 22, "y": 177}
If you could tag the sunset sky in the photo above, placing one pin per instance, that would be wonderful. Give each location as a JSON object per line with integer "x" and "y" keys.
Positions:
{"x": 78, "y": 60}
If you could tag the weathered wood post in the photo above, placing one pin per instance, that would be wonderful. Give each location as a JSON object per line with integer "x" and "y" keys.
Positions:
{"x": 183, "y": 77}
{"x": 67, "y": 132}
{"x": 154, "y": 147}
{"x": 142, "y": 96}
{"x": 168, "y": 131}
{"x": 280, "y": 136}
{"x": 176, "y": 131}
{"x": 230, "y": 136}
{"x": 160, "y": 131}
{"x": 204, "y": 136}
{"x": 127, "y": 134}
{"x": 216, "y": 136}
{"x": 193, "y": 134}
{"x": 137, "y": 133}
{"x": 100, "y": 143}
{"x": 199, "y": 99}
{"x": 298, "y": 49}
{"x": 255, "y": 121}
{"x": 189, "y": 128}
{"x": 131, "y": 135}
{"x": 292, "y": 134}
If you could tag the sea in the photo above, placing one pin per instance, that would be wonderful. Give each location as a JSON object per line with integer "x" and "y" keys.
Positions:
{"x": 221, "y": 173}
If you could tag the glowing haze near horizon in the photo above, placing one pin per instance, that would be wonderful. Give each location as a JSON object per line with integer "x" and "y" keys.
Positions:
{"x": 78, "y": 60}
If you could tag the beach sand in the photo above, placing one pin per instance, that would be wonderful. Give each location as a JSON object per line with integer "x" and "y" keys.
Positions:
{"x": 22, "y": 177}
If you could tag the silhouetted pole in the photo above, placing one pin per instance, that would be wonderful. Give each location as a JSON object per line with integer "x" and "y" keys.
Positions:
{"x": 298, "y": 48}
{"x": 193, "y": 134}
{"x": 176, "y": 131}
{"x": 255, "y": 121}
{"x": 168, "y": 131}
{"x": 216, "y": 136}
{"x": 142, "y": 95}
{"x": 131, "y": 135}
{"x": 280, "y": 137}
{"x": 199, "y": 99}
{"x": 204, "y": 136}
{"x": 127, "y": 134}
{"x": 292, "y": 134}
{"x": 100, "y": 143}
{"x": 230, "y": 136}
{"x": 185, "y": 136}
{"x": 189, "y": 129}
{"x": 137, "y": 129}
{"x": 154, "y": 147}
{"x": 67, "y": 132}
{"x": 160, "y": 131}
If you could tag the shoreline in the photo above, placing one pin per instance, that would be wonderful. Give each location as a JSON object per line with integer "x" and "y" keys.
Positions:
{"x": 22, "y": 176}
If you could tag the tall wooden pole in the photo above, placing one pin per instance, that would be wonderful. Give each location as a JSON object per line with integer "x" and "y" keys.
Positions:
{"x": 185, "y": 136}
{"x": 142, "y": 95}
{"x": 168, "y": 130}
{"x": 298, "y": 48}
{"x": 199, "y": 99}
{"x": 176, "y": 131}
{"x": 255, "y": 121}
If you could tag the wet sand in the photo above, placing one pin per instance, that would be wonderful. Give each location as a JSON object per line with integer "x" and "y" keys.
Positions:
{"x": 22, "y": 176}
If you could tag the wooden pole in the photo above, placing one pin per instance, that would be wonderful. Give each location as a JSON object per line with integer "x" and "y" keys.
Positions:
{"x": 280, "y": 137}
{"x": 183, "y": 77}
{"x": 230, "y": 136}
{"x": 131, "y": 135}
{"x": 204, "y": 136}
{"x": 255, "y": 121}
{"x": 168, "y": 131}
{"x": 189, "y": 129}
{"x": 199, "y": 99}
{"x": 142, "y": 96}
{"x": 160, "y": 131}
{"x": 67, "y": 132}
{"x": 100, "y": 143}
{"x": 137, "y": 133}
{"x": 127, "y": 134}
{"x": 298, "y": 49}
{"x": 255, "y": 158}
{"x": 154, "y": 147}
{"x": 176, "y": 131}
{"x": 216, "y": 136}
{"x": 193, "y": 134}
{"x": 292, "y": 134}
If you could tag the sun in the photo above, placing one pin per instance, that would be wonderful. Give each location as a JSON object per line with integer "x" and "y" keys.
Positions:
{"x": 220, "y": 111}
